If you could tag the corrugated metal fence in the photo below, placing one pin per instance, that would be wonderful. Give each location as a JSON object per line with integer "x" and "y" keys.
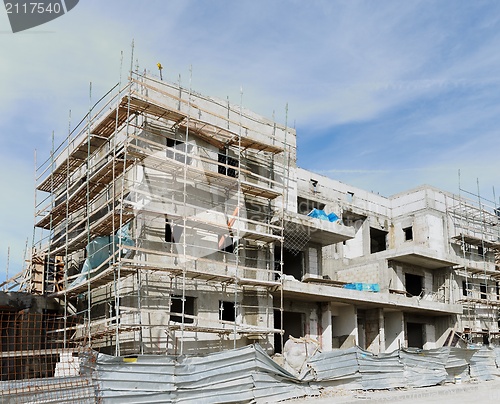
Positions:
{"x": 242, "y": 375}
{"x": 248, "y": 375}
{"x": 358, "y": 369}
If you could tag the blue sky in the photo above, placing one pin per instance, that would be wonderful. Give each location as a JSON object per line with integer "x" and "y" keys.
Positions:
{"x": 385, "y": 95}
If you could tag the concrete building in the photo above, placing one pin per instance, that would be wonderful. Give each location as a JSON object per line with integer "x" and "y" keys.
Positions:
{"x": 171, "y": 222}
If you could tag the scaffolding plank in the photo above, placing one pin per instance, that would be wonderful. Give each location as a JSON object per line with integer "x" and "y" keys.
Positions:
{"x": 477, "y": 241}
{"x": 101, "y": 227}
{"x": 169, "y": 165}
{"x": 78, "y": 199}
{"x": 76, "y": 158}
{"x": 214, "y": 134}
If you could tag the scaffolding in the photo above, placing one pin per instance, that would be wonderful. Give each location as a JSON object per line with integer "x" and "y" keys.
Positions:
{"x": 160, "y": 222}
{"x": 476, "y": 239}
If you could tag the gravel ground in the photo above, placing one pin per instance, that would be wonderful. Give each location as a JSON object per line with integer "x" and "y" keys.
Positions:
{"x": 483, "y": 392}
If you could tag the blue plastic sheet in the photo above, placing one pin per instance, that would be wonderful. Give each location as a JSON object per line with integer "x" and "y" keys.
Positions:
{"x": 321, "y": 214}
{"x": 366, "y": 287}
{"x": 101, "y": 248}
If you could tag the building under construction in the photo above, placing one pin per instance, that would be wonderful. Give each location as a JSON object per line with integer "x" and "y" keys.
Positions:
{"x": 169, "y": 222}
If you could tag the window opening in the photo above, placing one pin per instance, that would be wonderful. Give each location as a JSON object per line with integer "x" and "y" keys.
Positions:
{"x": 227, "y": 311}
{"x": 176, "y": 150}
{"x": 414, "y": 284}
{"x": 305, "y": 206}
{"x": 173, "y": 233}
{"x": 378, "y": 240}
{"x": 227, "y": 161}
{"x": 465, "y": 287}
{"x": 408, "y": 233}
{"x": 176, "y": 307}
{"x": 482, "y": 288}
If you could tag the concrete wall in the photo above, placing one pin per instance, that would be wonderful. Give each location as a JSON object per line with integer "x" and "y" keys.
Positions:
{"x": 344, "y": 326}
{"x": 394, "y": 330}
{"x": 312, "y": 315}
{"x": 369, "y": 272}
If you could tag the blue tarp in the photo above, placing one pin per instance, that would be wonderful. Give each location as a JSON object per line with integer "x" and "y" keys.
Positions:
{"x": 101, "y": 248}
{"x": 321, "y": 214}
{"x": 367, "y": 287}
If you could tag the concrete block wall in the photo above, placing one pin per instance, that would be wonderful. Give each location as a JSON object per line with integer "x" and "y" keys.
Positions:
{"x": 366, "y": 273}
{"x": 313, "y": 260}
{"x": 430, "y": 336}
{"x": 253, "y": 308}
{"x": 444, "y": 325}
{"x": 435, "y": 329}
{"x": 397, "y": 271}
{"x": 420, "y": 198}
{"x": 442, "y": 285}
{"x": 312, "y": 317}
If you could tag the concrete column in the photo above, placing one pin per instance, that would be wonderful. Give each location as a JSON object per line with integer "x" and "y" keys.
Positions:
{"x": 405, "y": 331}
{"x": 344, "y": 326}
{"x": 430, "y": 336}
{"x": 394, "y": 330}
{"x": 326, "y": 325}
{"x": 313, "y": 325}
{"x": 381, "y": 330}
{"x": 366, "y": 237}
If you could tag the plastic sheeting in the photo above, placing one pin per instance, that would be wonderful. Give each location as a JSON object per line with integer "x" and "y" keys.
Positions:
{"x": 366, "y": 287}
{"x": 321, "y": 214}
{"x": 242, "y": 375}
{"x": 296, "y": 352}
{"x": 101, "y": 248}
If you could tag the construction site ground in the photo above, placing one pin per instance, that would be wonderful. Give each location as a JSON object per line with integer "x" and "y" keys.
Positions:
{"x": 481, "y": 392}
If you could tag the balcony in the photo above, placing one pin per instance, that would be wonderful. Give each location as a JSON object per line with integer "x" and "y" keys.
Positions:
{"x": 420, "y": 256}
{"x": 318, "y": 231}
{"x": 321, "y": 292}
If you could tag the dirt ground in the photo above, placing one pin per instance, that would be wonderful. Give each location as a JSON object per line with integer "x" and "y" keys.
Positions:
{"x": 483, "y": 392}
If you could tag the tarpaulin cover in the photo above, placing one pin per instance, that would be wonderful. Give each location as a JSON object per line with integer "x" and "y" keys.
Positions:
{"x": 321, "y": 214}
{"x": 101, "y": 248}
{"x": 367, "y": 287}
